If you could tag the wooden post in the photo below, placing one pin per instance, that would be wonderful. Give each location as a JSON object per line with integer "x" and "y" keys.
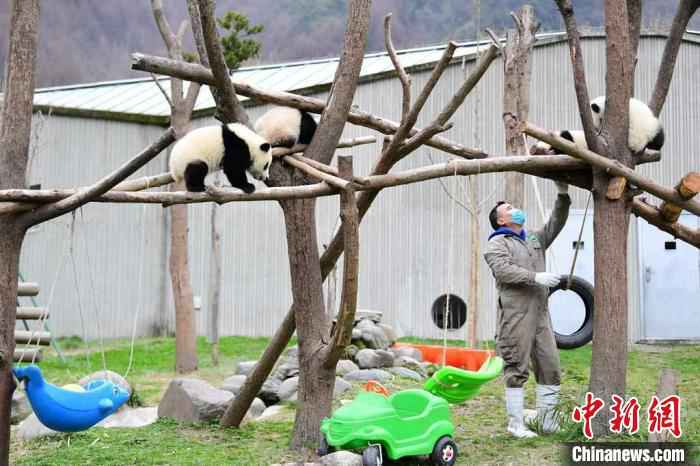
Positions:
{"x": 214, "y": 286}
{"x": 687, "y": 188}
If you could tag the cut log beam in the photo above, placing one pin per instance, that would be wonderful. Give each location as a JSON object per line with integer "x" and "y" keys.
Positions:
{"x": 29, "y": 336}
{"x": 27, "y": 289}
{"x": 687, "y": 188}
{"x": 32, "y": 313}
{"x": 27, "y": 355}
{"x": 653, "y": 216}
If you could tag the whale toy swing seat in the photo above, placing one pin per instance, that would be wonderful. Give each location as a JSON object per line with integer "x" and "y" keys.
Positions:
{"x": 458, "y": 385}
{"x": 67, "y": 410}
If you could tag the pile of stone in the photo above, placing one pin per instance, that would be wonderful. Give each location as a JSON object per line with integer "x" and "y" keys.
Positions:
{"x": 370, "y": 356}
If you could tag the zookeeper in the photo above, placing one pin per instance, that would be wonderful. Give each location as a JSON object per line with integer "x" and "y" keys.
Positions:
{"x": 524, "y": 327}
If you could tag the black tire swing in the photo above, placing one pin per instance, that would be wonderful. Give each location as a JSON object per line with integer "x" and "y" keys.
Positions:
{"x": 584, "y": 334}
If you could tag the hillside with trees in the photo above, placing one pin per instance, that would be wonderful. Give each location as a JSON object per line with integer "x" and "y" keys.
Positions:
{"x": 84, "y": 41}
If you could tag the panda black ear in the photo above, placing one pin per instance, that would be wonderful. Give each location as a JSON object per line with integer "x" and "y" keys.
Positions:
{"x": 595, "y": 108}
{"x": 265, "y": 147}
{"x": 566, "y": 135}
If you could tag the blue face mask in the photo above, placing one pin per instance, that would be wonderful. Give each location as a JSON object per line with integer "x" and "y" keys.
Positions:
{"x": 518, "y": 216}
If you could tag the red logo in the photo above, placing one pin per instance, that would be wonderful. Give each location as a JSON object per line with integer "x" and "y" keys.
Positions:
{"x": 587, "y": 412}
{"x": 625, "y": 415}
{"x": 665, "y": 415}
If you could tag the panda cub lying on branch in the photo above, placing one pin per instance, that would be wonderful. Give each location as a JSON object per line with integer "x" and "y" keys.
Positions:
{"x": 236, "y": 148}
{"x": 645, "y": 130}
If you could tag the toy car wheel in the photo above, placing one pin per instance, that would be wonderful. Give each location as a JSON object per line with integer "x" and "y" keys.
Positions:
{"x": 324, "y": 448}
{"x": 371, "y": 456}
{"x": 445, "y": 452}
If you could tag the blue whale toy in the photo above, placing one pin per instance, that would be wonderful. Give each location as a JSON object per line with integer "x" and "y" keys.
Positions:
{"x": 70, "y": 411}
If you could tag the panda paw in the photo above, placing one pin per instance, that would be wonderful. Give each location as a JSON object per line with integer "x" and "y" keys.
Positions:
{"x": 247, "y": 188}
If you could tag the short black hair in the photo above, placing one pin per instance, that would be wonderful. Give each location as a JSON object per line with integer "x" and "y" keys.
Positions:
{"x": 493, "y": 215}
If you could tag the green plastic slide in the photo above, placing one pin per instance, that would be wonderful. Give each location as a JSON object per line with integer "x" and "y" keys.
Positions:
{"x": 459, "y": 385}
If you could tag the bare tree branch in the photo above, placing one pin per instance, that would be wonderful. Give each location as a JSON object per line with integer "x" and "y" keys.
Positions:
{"x": 653, "y": 216}
{"x": 348, "y": 301}
{"x": 317, "y": 174}
{"x": 634, "y": 11}
{"x": 164, "y": 28}
{"x": 613, "y": 167}
{"x": 197, "y": 73}
{"x": 686, "y": 10}
{"x": 86, "y": 195}
{"x": 580, "y": 84}
{"x": 403, "y": 77}
{"x": 494, "y": 39}
{"x": 228, "y": 103}
{"x": 162, "y": 91}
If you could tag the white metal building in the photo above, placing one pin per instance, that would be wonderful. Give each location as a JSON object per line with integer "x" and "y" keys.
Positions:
{"x": 107, "y": 264}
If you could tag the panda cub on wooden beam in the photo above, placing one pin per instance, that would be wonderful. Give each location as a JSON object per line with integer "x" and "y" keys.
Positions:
{"x": 233, "y": 147}
{"x": 574, "y": 135}
{"x": 286, "y": 126}
{"x": 645, "y": 131}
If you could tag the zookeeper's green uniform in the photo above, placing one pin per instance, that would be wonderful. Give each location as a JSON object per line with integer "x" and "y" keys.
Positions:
{"x": 524, "y": 326}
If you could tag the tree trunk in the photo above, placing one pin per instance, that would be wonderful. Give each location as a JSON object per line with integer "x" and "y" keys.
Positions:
{"x": 15, "y": 130}
{"x": 185, "y": 329}
{"x": 315, "y": 382}
{"x": 11, "y": 237}
{"x": 609, "y": 360}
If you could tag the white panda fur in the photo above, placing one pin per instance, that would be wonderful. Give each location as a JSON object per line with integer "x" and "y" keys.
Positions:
{"x": 286, "y": 126}
{"x": 576, "y": 136}
{"x": 233, "y": 147}
{"x": 645, "y": 129}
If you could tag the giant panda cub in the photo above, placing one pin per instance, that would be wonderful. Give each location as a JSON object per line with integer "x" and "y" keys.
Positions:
{"x": 574, "y": 135}
{"x": 286, "y": 126}
{"x": 646, "y": 131}
{"x": 233, "y": 147}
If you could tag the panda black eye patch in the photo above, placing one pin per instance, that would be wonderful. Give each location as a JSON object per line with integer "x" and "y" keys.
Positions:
{"x": 266, "y": 165}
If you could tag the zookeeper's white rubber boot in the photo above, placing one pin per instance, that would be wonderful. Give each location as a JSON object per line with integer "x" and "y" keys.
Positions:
{"x": 546, "y": 403}
{"x": 514, "y": 407}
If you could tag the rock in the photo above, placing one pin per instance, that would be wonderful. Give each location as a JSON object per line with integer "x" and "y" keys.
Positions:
{"x": 106, "y": 375}
{"x": 409, "y": 351}
{"x": 407, "y": 373}
{"x": 368, "y": 374}
{"x": 288, "y": 389}
{"x": 341, "y": 386}
{"x": 373, "y": 335}
{"x": 193, "y": 400}
{"x": 429, "y": 368}
{"x": 410, "y": 363}
{"x": 374, "y": 316}
{"x": 290, "y": 366}
{"x": 269, "y": 392}
{"x": 350, "y": 352}
{"x": 367, "y": 358}
{"x": 342, "y": 458}
{"x": 344, "y": 366}
{"x": 272, "y": 412}
{"x": 384, "y": 358}
{"x": 257, "y": 408}
{"x": 32, "y": 428}
{"x": 244, "y": 367}
{"x": 131, "y": 417}
{"x": 389, "y": 332}
{"x": 21, "y": 408}
{"x": 233, "y": 384}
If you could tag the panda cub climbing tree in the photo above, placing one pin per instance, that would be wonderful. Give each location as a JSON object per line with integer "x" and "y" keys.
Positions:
{"x": 232, "y": 147}
{"x": 286, "y": 126}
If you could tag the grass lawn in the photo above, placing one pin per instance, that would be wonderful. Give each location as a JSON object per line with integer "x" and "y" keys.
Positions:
{"x": 480, "y": 422}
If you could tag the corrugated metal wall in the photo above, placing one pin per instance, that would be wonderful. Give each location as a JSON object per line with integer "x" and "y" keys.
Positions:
{"x": 410, "y": 252}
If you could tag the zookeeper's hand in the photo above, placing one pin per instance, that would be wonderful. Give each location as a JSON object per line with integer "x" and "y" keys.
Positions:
{"x": 547, "y": 279}
{"x": 562, "y": 188}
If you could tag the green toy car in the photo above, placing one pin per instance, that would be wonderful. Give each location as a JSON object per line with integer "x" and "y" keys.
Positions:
{"x": 407, "y": 423}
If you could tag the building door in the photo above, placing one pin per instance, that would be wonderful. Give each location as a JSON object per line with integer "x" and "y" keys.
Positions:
{"x": 670, "y": 283}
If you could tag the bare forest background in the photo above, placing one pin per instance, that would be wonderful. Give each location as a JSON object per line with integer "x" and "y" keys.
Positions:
{"x": 90, "y": 40}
